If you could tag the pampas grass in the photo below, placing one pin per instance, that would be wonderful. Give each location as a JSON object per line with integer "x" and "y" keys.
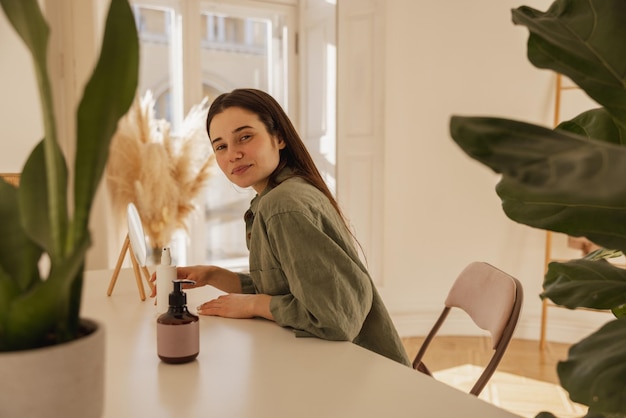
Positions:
{"x": 160, "y": 173}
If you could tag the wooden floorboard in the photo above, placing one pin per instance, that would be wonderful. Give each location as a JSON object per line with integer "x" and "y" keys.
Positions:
{"x": 523, "y": 357}
{"x": 524, "y": 383}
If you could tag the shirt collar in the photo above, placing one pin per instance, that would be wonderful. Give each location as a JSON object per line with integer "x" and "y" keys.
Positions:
{"x": 283, "y": 175}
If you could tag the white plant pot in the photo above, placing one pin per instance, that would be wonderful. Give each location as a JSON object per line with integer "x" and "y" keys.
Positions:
{"x": 64, "y": 380}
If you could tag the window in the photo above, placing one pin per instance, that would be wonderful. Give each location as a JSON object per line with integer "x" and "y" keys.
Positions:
{"x": 156, "y": 29}
{"x": 194, "y": 49}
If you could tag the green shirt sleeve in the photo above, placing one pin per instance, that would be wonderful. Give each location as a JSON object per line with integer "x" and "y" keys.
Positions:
{"x": 330, "y": 293}
{"x": 247, "y": 286}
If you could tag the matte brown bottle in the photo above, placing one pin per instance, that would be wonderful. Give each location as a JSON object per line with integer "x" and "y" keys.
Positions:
{"x": 178, "y": 330}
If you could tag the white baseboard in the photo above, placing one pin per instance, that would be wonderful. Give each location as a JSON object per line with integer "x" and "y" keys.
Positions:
{"x": 563, "y": 325}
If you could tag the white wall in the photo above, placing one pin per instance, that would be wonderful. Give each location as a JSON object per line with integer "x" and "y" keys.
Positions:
{"x": 21, "y": 128}
{"x": 440, "y": 207}
{"x": 441, "y": 210}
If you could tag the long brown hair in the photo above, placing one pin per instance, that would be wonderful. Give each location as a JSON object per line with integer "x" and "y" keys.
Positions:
{"x": 271, "y": 114}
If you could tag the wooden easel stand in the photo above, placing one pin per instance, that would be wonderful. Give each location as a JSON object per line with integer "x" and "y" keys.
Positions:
{"x": 138, "y": 270}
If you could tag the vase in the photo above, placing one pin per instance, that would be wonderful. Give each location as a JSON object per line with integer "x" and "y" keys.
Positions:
{"x": 64, "y": 380}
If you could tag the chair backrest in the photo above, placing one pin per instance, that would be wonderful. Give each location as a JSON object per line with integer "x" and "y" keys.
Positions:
{"x": 493, "y": 300}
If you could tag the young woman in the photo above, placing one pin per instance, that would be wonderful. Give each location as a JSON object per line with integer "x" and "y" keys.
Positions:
{"x": 305, "y": 272}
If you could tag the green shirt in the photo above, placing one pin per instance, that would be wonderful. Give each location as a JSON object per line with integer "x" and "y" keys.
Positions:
{"x": 304, "y": 257}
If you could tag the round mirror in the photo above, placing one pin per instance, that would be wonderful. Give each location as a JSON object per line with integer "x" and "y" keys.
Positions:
{"x": 136, "y": 235}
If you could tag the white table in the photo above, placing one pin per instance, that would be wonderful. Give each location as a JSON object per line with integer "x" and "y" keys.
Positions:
{"x": 253, "y": 368}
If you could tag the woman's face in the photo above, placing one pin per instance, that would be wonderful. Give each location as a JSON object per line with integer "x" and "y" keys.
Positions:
{"x": 244, "y": 150}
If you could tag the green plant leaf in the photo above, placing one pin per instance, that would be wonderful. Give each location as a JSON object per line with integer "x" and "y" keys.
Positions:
{"x": 595, "y": 370}
{"x": 596, "y": 124}
{"x": 33, "y": 195}
{"x": 619, "y": 311}
{"x": 571, "y": 180}
{"x": 37, "y": 312}
{"x": 28, "y": 21}
{"x": 18, "y": 255}
{"x": 551, "y": 179}
{"x": 107, "y": 97}
{"x": 585, "y": 283}
{"x": 544, "y": 414}
{"x": 583, "y": 40}
{"x": 43, "y": 315}
{"x": 603, "y": 254}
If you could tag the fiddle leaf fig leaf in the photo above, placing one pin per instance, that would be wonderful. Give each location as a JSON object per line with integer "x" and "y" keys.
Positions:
{"x": 571, "y": 180}
{"x": 597, "y": 124}
{"x": 585, "y": 283}
{"x": 552, "y": 180}
{"x": 595, "y": 370}
{"x": 584, "y": 41}
{"x": 603, "y": 254}
{"x": 619, "y": 311}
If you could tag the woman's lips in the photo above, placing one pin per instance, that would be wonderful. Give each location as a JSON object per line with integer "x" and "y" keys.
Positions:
{"x": 240, "y": 170}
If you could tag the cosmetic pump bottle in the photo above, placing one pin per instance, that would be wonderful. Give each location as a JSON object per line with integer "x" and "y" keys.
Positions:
{"x": 178, "y": 331}
{"x": 165, "y": 274}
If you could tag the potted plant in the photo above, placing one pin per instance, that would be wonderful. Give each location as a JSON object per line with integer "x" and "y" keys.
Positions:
{"x": 41, "y": 310}
{"x": 572, "y": 180}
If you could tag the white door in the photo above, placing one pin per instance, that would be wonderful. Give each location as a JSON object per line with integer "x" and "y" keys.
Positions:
{"x": 318, "y": 69}
{"x": 360, "y": 137}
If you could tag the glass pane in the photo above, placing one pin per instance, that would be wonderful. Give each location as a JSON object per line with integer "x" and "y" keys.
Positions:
{"x": 235, "y": 34}
{"x": 155, "y": 26}
{"x": 238, "y": 50}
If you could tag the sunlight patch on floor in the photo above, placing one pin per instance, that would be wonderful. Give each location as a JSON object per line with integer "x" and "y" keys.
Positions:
{"x": 520, "y": 395}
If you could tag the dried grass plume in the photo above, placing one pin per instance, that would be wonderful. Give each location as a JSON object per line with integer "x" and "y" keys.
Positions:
{"x": 160, "y": 173}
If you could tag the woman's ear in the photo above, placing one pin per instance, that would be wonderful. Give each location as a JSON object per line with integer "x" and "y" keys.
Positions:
{"x": 281, "y": 143}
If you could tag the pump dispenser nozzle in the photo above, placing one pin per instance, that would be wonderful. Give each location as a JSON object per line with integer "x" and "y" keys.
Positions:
{"x": 178, "y": 298}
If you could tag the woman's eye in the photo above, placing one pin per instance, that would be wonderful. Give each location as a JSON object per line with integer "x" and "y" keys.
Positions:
{"x": 245, "y": 137}
{"x": 220, "y": 147}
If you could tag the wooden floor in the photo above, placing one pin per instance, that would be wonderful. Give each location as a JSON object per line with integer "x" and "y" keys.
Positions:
{"x": 525, "y": 382}
{"x": 523, "y": 357}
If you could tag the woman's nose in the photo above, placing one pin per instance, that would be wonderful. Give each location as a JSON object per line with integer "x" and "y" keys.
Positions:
{"x": 235, "y": 154}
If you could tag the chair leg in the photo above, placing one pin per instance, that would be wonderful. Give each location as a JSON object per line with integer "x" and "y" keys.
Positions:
{"x": 421, "y": 367}
{"x": 417, "y": 361}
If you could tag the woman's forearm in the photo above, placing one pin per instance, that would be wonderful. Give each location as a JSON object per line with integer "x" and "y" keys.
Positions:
{"x": 218, "y": 277}
{"x": 224, "y": 280}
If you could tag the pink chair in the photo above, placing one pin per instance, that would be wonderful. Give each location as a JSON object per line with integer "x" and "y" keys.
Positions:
{"x": 493, "y": 300}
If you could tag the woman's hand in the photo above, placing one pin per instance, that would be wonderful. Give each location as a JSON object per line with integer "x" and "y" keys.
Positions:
{"x": 238, "y": 306}
{"x": 217, "y": 277}
{"x": 201, "y": 275}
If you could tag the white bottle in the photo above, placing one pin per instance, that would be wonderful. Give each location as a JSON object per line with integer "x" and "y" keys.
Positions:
{"x": 165, "y": 274}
